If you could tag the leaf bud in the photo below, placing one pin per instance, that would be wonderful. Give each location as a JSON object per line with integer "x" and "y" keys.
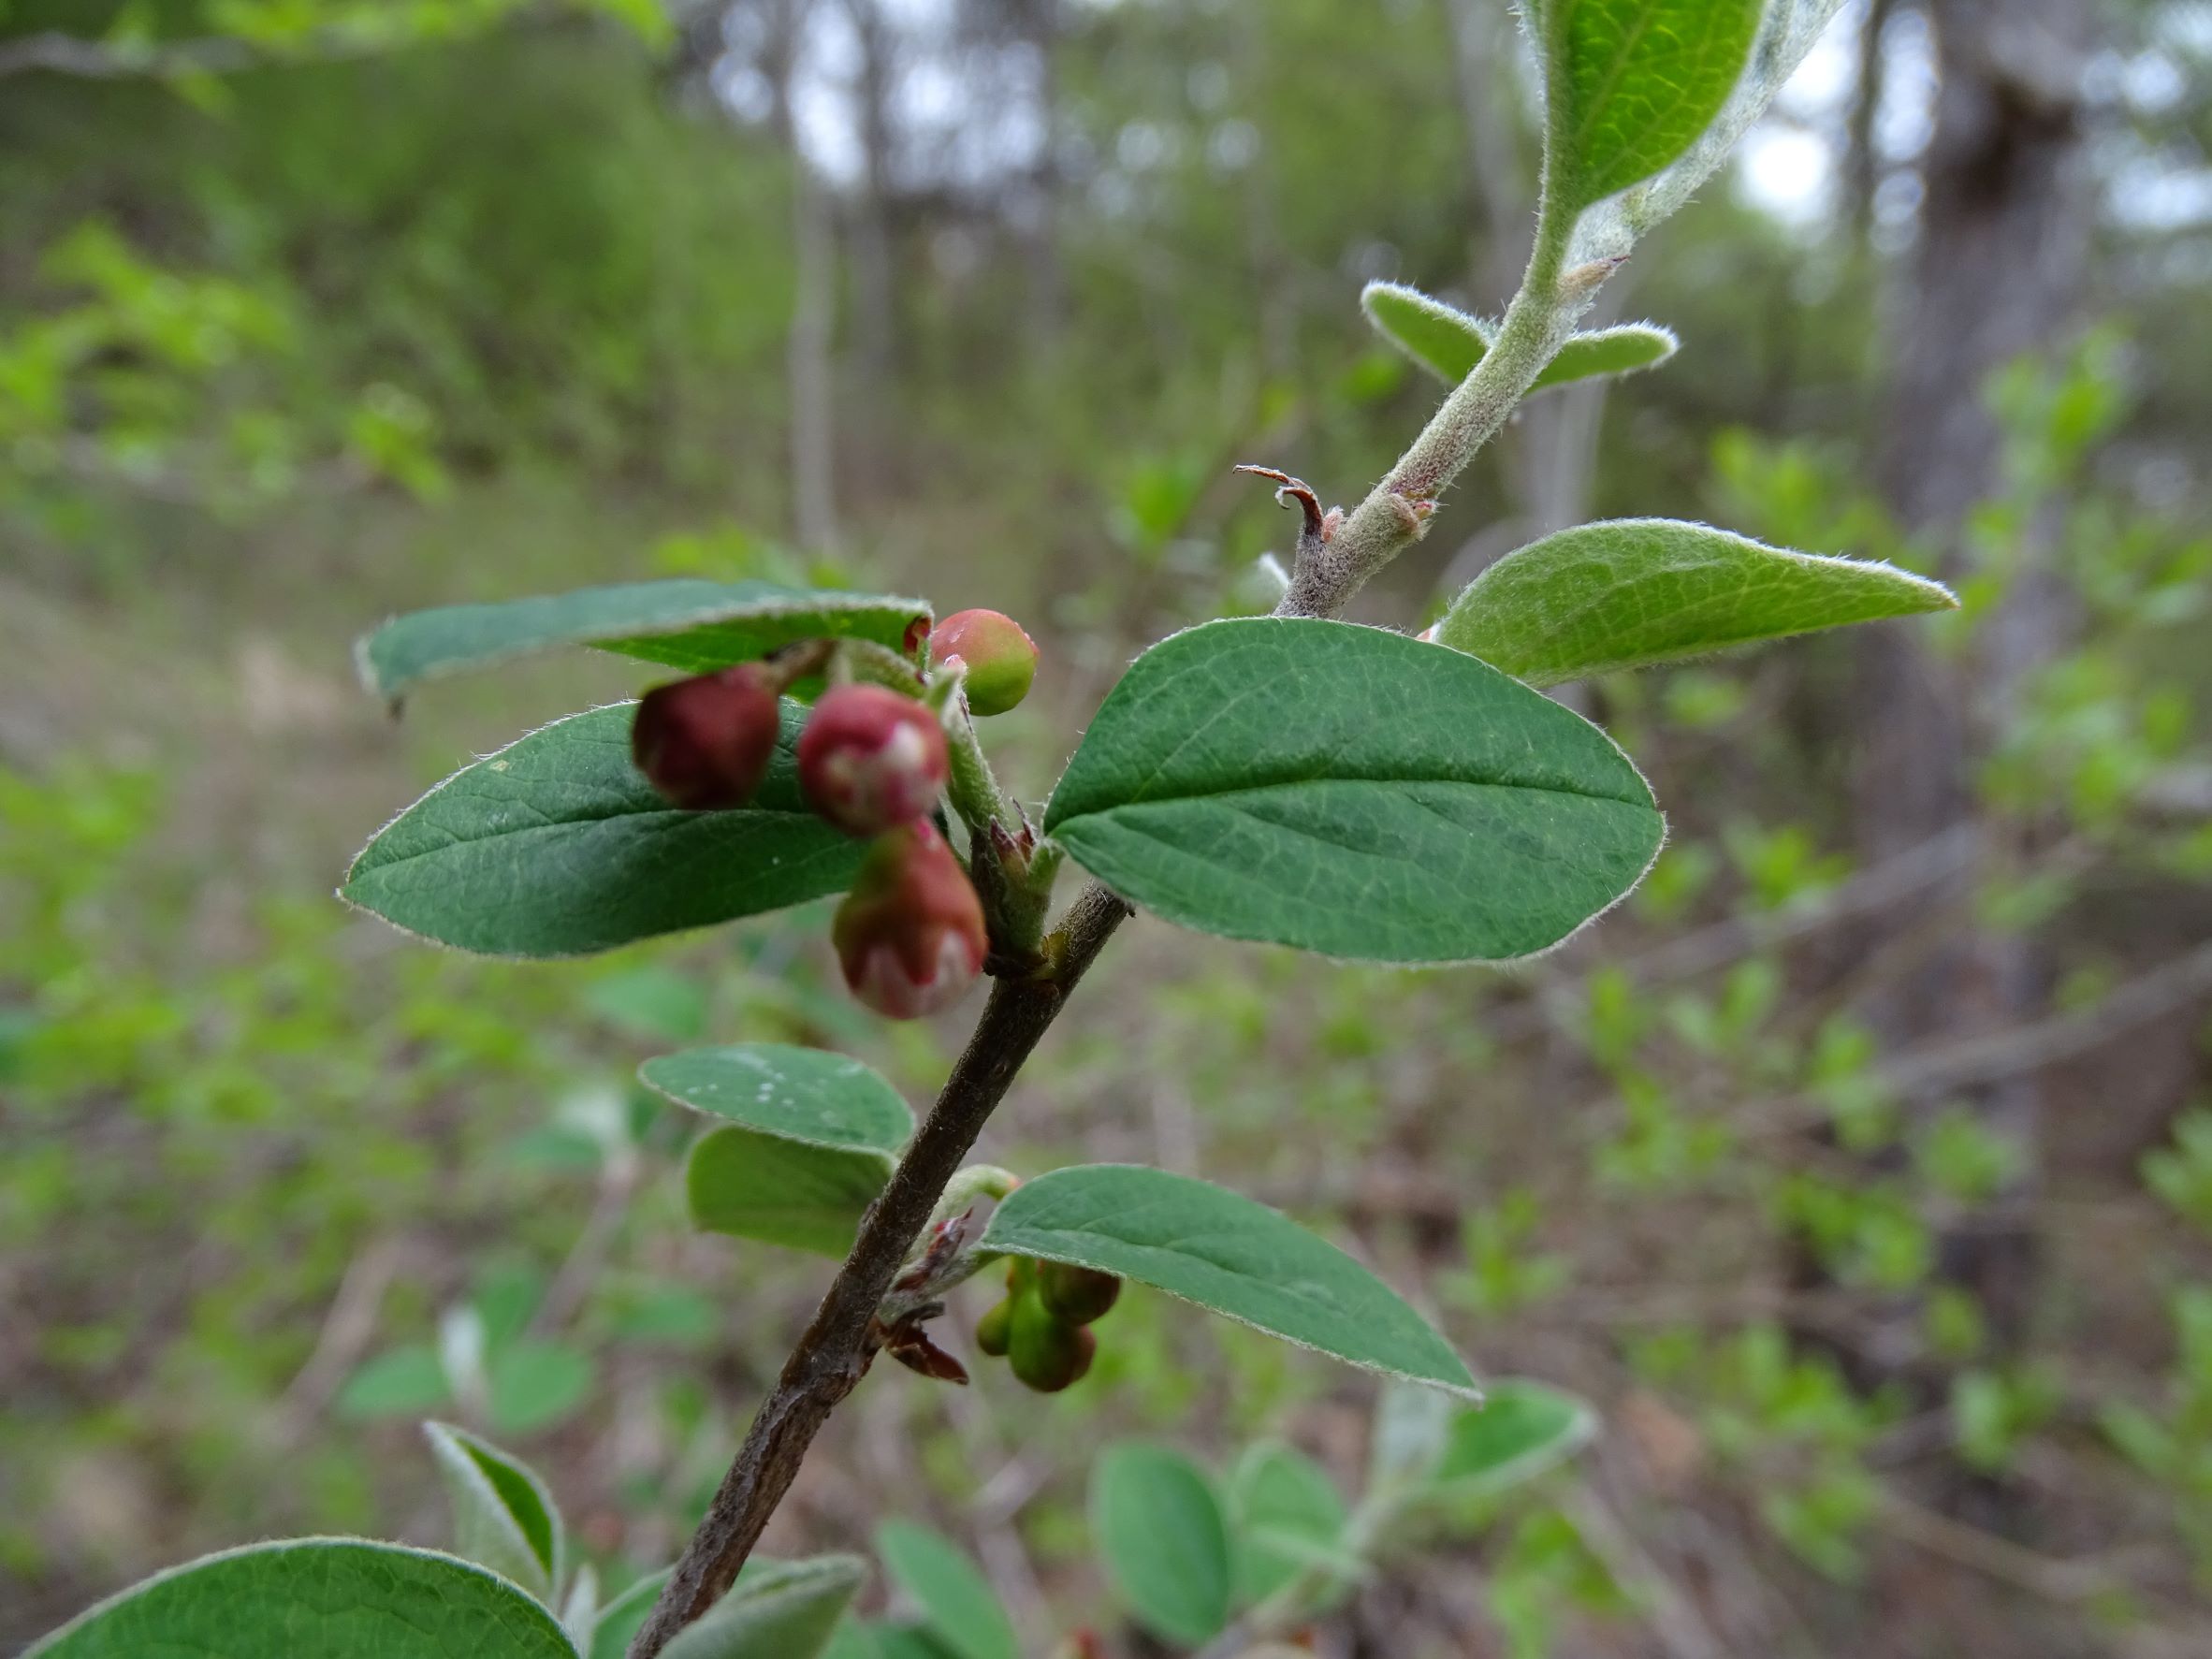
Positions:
{"x": 872, "y": 760}
{"x": 1000, "y": 658}
{"x": 909, "y": 935}
{"x": 704, "y": 743}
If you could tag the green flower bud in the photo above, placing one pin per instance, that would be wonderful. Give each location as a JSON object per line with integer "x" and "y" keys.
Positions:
{"x": 1000, "y": 659}
{"x": 1076, "y": 1294}
{"x": 1044, "y": 1350}
{"x": 993, "y": 1330}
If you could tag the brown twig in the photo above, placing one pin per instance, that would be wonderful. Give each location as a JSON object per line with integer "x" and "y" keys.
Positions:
{"x": 833, "y": 1353}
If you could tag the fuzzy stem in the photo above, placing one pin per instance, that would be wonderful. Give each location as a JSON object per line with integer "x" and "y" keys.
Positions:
{"x": 1395, "y": 514}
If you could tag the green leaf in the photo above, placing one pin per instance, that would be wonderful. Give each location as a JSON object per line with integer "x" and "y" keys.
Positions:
{"x": 807, "y": 1094}
{"x": 781, "y": 1609}
{"x": 556, "y": 846}
{"x": 621, "y": 1620}
{"x": 1449, "y": 343}
{"x": 1287, "y": 1519}
{"x": 1225, "y": 1253}
{"x": 1629, "y": 593}
{"x": 759, "y": 1186}
{"x": 905, "y": 1642}
{"x": 1159, "y": 1529}
{"x": 400, "y": 1382}
{"x": 503, "y": 1515}
{"x": 689, "y": 625}
{"x": 1633, "y": 84}
{"x": 334, "y": 1598}
{"x": 1520, "y": 1431}
{"x": 956, "y": 1602}
{"x": 535, "y": 1384}
{"x": 1353, "y": 792}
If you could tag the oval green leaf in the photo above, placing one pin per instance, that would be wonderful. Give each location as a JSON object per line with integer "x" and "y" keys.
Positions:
{"x": 778, "y": 1610}
{"x": 1227, "y": 1254}
{"x": 689, "y": 625}
{"x": 1522, "y": 1430}
{"x": 336, "y": 1598}
{"x": 503, "y": 1514}
{"x": 1449, "y": 343}
{"x": 1160, "y": 1532}
{"x": 752, "y": 1186}
{"x": 1352, "y": 792}
{"x": 1630, "y": 593}
{"x": 1289, "y": 1521}
{"x": 809, "y": 1095}
{"x": 557, "y": 846}
{"x": 1633, "y": 84}
{"x": 957, "y": 1603}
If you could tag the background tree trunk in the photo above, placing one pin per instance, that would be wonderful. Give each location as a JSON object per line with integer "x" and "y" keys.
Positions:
{"x": 1998, "y": 272}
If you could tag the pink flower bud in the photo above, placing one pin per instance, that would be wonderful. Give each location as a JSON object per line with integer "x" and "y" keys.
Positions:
{"x": 909, "y": 935}
{"x": 872, "y": 760}
{"x": 1002, "y": 659}
{"x": 705, "y": 742}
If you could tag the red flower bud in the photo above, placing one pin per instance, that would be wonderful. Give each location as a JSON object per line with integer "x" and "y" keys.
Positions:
{"x": 872, "y": 760}
{"x": 1001, "y": 659}
{"x": 705, "y": 742}
{"x": 909, "y": 935}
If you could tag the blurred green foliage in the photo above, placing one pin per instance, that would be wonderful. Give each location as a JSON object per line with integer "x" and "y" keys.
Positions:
{"x": 459, "y": 301}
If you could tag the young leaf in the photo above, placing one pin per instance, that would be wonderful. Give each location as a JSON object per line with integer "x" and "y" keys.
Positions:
{"x": 1522, "y": 1430}
{"x": 1159, "y": 1529}
{"x": 557, "y": 847}
{"x": 622, "y": 1618}
{"x": 1789, "y": 32}
{"x": 1629, "y": 593}
{"x": 1225, "y": 1253}
{"x": 336, "y": 1598}
{"x": 1287, "y": 1519}
{"x": 503, "y": 1515}
{"x": 957, "y": 1603}
{"x": 752, "y": 1186}
{"x": 1353, "y": 792}
{"x": 807, "y": 1094}
{"x": 1449, "y": 343}
{"x": 688, "y": 624}
{"x": 781, "y": 1609}
{"x": 1633, "y": 84}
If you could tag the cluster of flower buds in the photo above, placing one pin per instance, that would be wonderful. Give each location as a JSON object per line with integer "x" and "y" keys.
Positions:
{"x": 910, "y": 936}
{"x": 1041, "y": 1328}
